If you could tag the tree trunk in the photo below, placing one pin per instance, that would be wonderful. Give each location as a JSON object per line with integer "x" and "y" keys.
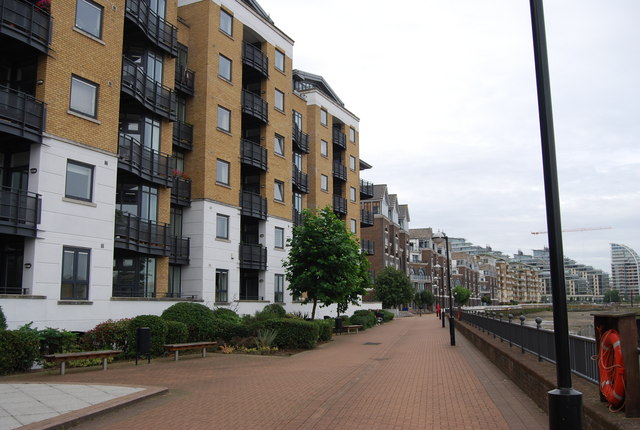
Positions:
{"x": 313, "y": 311}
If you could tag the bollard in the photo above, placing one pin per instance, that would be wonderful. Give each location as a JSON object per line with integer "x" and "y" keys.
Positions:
{"x": 538, "y": 322}
{"x": 522, "y": 318}
{"x": 510, "y": 316}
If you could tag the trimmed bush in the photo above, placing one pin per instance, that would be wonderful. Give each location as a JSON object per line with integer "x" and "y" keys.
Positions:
{"x": 54, "y": 341}
{"x": 293, "y": 334}
{"x": 177, "y": 332}
{"x": 226, "y": 314}
{"x": 158, "y": 328}
{"x": 107, "y": 335}
{"x": 198, "y": 318}
{"x": 3, "y": 320}
{"x": 223, "y": 331}
{"x": 19, "y": 349}
{"x": 275, "y": 309}
{"x": 364, "y": 317}
{"x": 325, "y": 329}
{"x": 387, "y": 316}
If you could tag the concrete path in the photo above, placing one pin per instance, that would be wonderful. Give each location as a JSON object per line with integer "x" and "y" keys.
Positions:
{"x": 401, "y": 375}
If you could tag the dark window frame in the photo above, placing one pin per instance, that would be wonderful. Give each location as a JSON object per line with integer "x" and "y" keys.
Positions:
{"x": 226, "y": 78}
{"x": 279, "y": 237}
{"x": 222, "y": 291}
{"x": 226, "y": 232}
{"x": 219, "y": 162}
{"x": 91, "y": 177}
{"x": 279, "y": 54}
{"x": 225, "y": 14}
{"x": 77, "y": 286}
{"x": 228, "y": 124}
{"x": 101, "y": 10}
{"x": 96, "y": 95}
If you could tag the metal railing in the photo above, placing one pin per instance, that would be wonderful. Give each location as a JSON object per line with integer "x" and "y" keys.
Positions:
{"x": 339, "y": 204}
{"x": 151, "y": 94}
{"x": 339, "y": 170}
{"x": 366, "y": 217}
{"x": 300, "y": 139}
{"x": 146, "y": 163}
{"x": 157, "y": 30}
{"x": 24, "y": 21}
{"x": 179, "y": 250}
{"x": 185, "y": 79}
{"x": 253, "y": 256}
{"x": 19, "y": 212}
{"x": 253, "y": 205}
{"x": 254, "y": 105}
{"x": 181, "y": 191}
{"x": 296, "y": 216}
{"x": 141, "y": 235}
{"x": 253, "y": 57}
{"x": 368, "y": 246}
{"x": 21, "y": 114}
{"x": 339, "y": 138}
{"x": 183, "y": 135}
{"x": 300, "y": 180}
{"x": 253, "y": 154}
{"x": 366, "y": 189}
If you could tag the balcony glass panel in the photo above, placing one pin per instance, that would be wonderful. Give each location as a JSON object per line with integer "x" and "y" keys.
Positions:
{"x": 179, "y": 250}
{"x": 181, "y": 192}
{"x": 23, "y": 21}
{"x": 145, "y": 163}
{"x": 185, "y": 80}
{"x": 21, "y": 114}
{"x": 300, "y": 180}
{"x": 300, "y": 139}
{"x": 339, "y": 204}
{"x": 253, "y": 205}
{"x": 253, "y": 57}
{"x": 155, "y": 28}
{"x": 339, "y": 170}
{"x": 253, "y": 154}
{"x": 253, "y": 105}
{"x": 339, "y": 138}
{"x": 19, "y": 212}
{"x": 366, "y": 189}
{"x": 141, "y": 235}
{"x": 253, "y": 256}
{"x": 152, "y": 95}
{"x": 183, "y": 135}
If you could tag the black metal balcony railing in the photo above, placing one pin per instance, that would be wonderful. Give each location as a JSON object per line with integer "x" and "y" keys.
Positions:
{"x": 23, "y": 21}
{"x": 339, "y": 170}
{"x": 141, "y": 235}
{"x": 131, "y": 291}
{"x": 368, "y": 246}
{"x": 297, "y": 217}
{"x": 300, "y": 139}
{"x": 21, "y": 114}
{"x": 366, "y": 218}
{"x": 253, "y": 205}
{"x": 253, "y": 105}
{"x": 183, "y": 135}
{"x": 181, "y": 191}
{"x": 155, "y": 28}
{"x": 185, "y": 80}
{"x": 145, "y": 163}
{"x": 253, "y": 154}
{"x": 300, "y": 180}
{"x": 179, "y": 250}
{"x": 152, "y": 95}
{"x": 339, "y": 204}
{"x": 19, "y": 212}
{"x": 366, "y": 190}
{"x": 253, "y": 256}
{"x": 253, "y": 57}
{"x": 339, "y": 138}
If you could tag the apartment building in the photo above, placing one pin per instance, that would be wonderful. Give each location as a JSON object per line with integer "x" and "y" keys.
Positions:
{"x": 625, "y": 271}
{"x": 466, "y": 273}
{"x": 158, "y": 151}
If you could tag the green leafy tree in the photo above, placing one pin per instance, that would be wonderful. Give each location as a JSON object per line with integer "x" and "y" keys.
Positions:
{"x": 612, "y": 296}
{"x": 461, "y": 295}
{"x": 325, "y": 264}
{"x": 486, "y": 300}
{"x": 393, "y": 287}
{"x": 423, "y": 298}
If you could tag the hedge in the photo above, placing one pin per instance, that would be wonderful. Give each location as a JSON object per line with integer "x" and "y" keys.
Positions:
{"x": 198, "y": 318}
{"x": 226, "y": 314}
{"x": 325, "y": 329}
{"x": 224, "y": 331}
{"x": 3, "y": 320}
{"x": 177, "y": 332}
{"x": 293, "y": 334}
{"x": 107, "y": 335}
{"x": 19, "y": 349}
{"x": 158, "y": 329}
{"x": 365, "y": 318}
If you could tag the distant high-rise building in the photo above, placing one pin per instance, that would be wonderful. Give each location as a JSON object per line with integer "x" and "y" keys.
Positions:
{"x": 625, "y": 265}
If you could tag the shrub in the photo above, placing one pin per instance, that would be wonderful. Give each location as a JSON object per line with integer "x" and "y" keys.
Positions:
{"x": 198, "y": 318}
{"x": 387, "y": 316}
{"x": 275, "y": 309}
{"x": 325, "y": 329}
{"x": 158, "y": 328}
{"x": 177, "y": 332}
{"x": 292, "y": 333}
{"x": 224, "y": 331}
{"x": 19, "y": 349}
{"x": 265, "y": 337}
{"x": 226, "y": 314}
{"x": 3, "y": 320}
{"x": 364, "y": 317}
{"x": 107, "y": 335}
{"x": 53, "y": 341}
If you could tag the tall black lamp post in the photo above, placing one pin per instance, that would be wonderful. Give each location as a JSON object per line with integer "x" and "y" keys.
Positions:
{"x": 441, "y": 292}
{"x": 438, "y": 238}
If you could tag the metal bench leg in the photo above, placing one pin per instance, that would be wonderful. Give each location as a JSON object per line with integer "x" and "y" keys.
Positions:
{"x": 204, "y": 352}
{"x": 175, "y": 355}
{"x": 104, "y": 363}
{"x": 62, "y": 364}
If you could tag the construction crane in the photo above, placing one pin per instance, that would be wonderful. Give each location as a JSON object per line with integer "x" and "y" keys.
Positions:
{"x": 569, "y": 230}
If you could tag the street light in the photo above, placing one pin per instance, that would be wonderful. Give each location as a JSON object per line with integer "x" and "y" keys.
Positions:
{"x": 441, "y": 292}
{"x": 438, "y": 238}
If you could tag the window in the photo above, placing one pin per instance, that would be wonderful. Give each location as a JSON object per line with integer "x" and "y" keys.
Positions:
{"x": 75, "y": 274}
{"x": 226, "y": 22}
{"x": 278, "y": 288}
{"x": 279, "y": 100}
{"x": 79, "y": 183}
{"x": 134, "y": 276}
{"x": 222, "y": 226}
{"x": 353, "y": 226}
{"x": 324, "y": 183}
{"x": 84, "y": 97}
{"x": 324, "y": 148}
{"x": 224, "y": 119}
{"x": 278, "y": 191}
{"x": 89, "y": 17}
{"x": 352, "y": 194}
{"x": 352, "y": 162}
{"x": 280, "y": 60}
{"x": 175, "y": 280}
{"x": 323, "y": 117}
{"x": 279, "y": 240}
{"x": 138, "y": 200}
{"x": 278, "y": 144}
{"x": 224, "y": 67}
{"x": 222, "y": 286}
{"x": 222, "y": 172}
{"x": 352, "y": 135}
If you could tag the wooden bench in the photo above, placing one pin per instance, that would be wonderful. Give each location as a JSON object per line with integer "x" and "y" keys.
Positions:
{"x": 177, "y": 347}
{"x": 349, "y": 328}
{"x": 83, "y": 355}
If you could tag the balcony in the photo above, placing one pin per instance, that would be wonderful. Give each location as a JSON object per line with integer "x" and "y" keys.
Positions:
{"x": 366, "y": 190}
{"x": 21, "y": 115}
{"x": 181, "y": 192}
{"x": 23, "y": 21}
{"x": 368, "y": 247}
{"x": 253, "y": 57}
{"x": 420, "y": 278}
{"x": 141, "y": 235}
{"x": 156, "y": 29}
{"x": 300, "y": 180}
{"x": 339, "y": 204}
{"x": 339, "y": 170}
{"x": 183, "y": 135}
{"x": 300, "y": 139}
{"x": 339, "y": 138}
{"x": 185, "y": 80}
{"x": 366, "y": 218}
{"x": 253, "y": 257}
{"x": 254, "y": 106}
{"x": 297, "y": 217}
{"x": 253, "y": 205}
{"x": 150, "y": 165}
{"x": 19, "y": 212}
{"x": 253, "y": 154}
{"x": 152, "y": 95}
{"x": 179, "y": 250}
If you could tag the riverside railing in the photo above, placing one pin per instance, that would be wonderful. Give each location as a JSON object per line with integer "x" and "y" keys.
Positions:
{"x": 536, "y": 340}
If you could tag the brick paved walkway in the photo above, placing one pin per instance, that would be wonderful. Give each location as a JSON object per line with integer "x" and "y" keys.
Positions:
{"x": 402, "y": 375}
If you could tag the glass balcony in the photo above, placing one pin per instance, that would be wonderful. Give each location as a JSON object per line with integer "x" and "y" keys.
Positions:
{"x": 366, "y": 218}
{"x": 253, "y": 154}
{"x": 253, "y": 256}
{"x": 339, "y": 205}
{"x": 185, "y": 80}
{"x": 19, "y": 212}
{"x": 156, "y": 29}
{"x": 179, "y": 250}
{"x": 21, "y": 115}
{"x": 141, "y": 235}
{"x": 300, "y": 139}
{"x": 254, "y": 106}
{"x": 366, "y": 190}
{"x": 152, "y": 95}
{"x": 26, "y": 23}
{"x": 181, "y": 192}
{"x": 253, "y": 57}
{"x": 339, "y": 170}
{"x": 300, "y": 180}
{"x": 253, "y": 205}
{"x": 150, "y": 165}
{"x": 183, "y": 135}
{"x": 339, "y": 138}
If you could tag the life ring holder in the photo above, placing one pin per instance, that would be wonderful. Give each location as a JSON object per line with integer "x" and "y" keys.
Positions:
{"x": 611, "y": 367}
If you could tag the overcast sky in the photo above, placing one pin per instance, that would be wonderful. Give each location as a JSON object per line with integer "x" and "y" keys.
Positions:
{"x": 446, "y": 96}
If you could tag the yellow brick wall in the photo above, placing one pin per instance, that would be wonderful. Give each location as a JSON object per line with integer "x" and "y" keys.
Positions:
{"x": 318, "y": 164}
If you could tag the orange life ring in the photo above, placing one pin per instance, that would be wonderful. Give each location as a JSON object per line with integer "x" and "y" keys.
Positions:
{"x": 611, "y": 366}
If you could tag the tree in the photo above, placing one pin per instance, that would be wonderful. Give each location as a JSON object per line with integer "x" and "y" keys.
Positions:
{"x": 393, "y": 287}
{"x": 486, "y": 299}
{"x": 325, "y": 264}
{"x": 611, "y": 296}
{"x": 461, "y": 295}
{"x": 423, "y": 298}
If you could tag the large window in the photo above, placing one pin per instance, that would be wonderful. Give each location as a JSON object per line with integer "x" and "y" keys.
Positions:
{"x": 222, "y": 226}
{"x": 89, "y": 17}
{"x": 278, "y": 144}
{"x": 222, "y": 286}
{"x": 352, "y": 135}
{"x": 222, "y": 172}
{"x": 323, "y": 117}
{"x": 224, "y": 119}
{"x": 175, "y": 280}
{"x": 134, "y": 276}
{"x": 279, "y": 237}
{"x": 79, "y": 183}
{"x": 278, "y": 191}
{"x": 278, "y": 287}
{"x": 226, "y": 22}
{"x": 75, "y": 274}
{"x": 138, "y": 200}
{"x": 224, "y": 67}
{"x": 279, "y": 100}
{"x": 324, "y": 182}
{"x": 279, "y": 60}
{"x": 352, "y": 162}
{"x": 324, "y": 148}
{"x": 84, "y": 97}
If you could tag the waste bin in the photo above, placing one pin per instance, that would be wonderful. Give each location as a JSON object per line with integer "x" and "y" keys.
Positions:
{"x": 339, "y": 325}
{"x": 143, "y": 343}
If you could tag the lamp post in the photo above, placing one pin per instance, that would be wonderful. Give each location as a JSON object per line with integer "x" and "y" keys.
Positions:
{"x": 438, "y": 238}
{"x": 441, "y": 292}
